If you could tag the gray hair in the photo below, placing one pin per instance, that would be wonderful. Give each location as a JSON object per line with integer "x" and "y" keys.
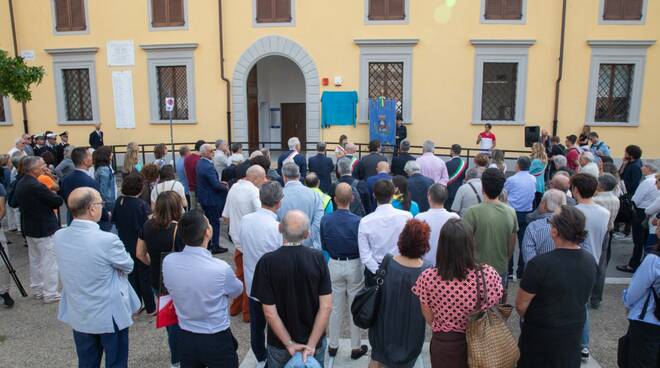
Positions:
{"x": 344, "y": 166}
{"x": 553, "y": 199}
{"x": 320, "y": 147}
{"x": 404, "y": 146}
{"x": 68, "y": 150}
{"x": 560, "y": 160}
{"x": 290, "y": 171}
{"x": 294, "y": 225}
{"x": 205, "y": 148}
{"x": 438, "y": 193}
{"x": 30, "y": 162}
{"x": 607, "y": 182}
{"x": 411, "y": 168}
{"x": 16, "y": 158}
{"x": 18, "y": 140}
{"x": 652, "y": 168}
{"x": 293, "y": 142}
{"x": 219, "y": 142}
{"x": 471, "y": 173}
{"x": 428, "y": 146}
{"x": 270, "y": 194}
{"x": 588, "y": 156}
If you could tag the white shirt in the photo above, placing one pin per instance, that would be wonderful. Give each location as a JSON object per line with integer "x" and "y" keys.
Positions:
{"x": 220, "y": 162}
{"x": 257, "y": 243}
{"x": 378, "y": 234}
{"x": 167, "y": 186}
{"x": 597, "y": 221}
{"x": 652, "y": 210}
{"x": 235, "y": 158}
{"x": 646, "y": 192}
{"x": 242, "y": 199}
{"x": 436, "y": 218}
{"x": 14, "y": 150}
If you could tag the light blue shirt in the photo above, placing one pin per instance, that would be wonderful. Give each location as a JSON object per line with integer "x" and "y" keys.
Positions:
{"x": 537, "y": 239}
{"x": 94, "y": 268}
{"x": 299, "y": 197}
{"x": 181, "y": 175}
{"x": 600, "y": 148}
{"x": 646, "y": 276}
{"x": 521, "y": 189}
{"x": 200, "y": 286}
{"x": 257, "y": 243}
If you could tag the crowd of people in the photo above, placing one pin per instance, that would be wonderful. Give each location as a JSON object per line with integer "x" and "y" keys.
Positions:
{"x": 310, "y": 234}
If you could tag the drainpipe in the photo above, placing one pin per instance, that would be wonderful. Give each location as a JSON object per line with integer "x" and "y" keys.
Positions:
{"x": 13, "y": 35}
{"x": 222, "y": 70}
{"x": 555, "y": 122}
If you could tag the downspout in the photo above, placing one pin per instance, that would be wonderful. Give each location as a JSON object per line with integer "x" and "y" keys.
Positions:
{"x": 222, "y": 70}
{"x": 555, "y": 122}
{"x": 13, "y": 35}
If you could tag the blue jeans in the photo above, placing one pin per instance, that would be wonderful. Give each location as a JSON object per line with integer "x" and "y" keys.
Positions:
{"x": 277, "y": 358}
{"x": 90, "y": 348}
{"x": 213, "y": 214}
{"x": 585, "y": 331}
{"x": 257, "y": 328}
{"x": 172, "y": 332}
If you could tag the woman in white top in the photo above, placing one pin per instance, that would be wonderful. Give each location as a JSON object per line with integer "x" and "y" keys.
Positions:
{"x": 497, "y": 161}
{"x": 167, "y": 182}
{"x": 340, "y": 150}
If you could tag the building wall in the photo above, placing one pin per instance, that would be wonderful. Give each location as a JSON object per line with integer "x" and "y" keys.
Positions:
{"x": 442, "y": 71}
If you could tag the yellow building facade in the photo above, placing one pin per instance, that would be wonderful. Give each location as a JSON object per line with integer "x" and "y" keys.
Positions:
{"x": 451, "y": 65}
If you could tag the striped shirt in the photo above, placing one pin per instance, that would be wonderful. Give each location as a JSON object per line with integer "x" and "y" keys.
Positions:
{"x": 610, "y": 202}
{"x": 537, "y": 239}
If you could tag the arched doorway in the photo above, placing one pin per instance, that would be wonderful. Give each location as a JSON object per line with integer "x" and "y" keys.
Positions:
{"x": 264, "y": 48}
{"x": 276, "y": 107}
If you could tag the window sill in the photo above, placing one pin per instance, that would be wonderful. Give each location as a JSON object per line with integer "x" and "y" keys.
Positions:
{"x": 386, "y": 22}
{"x": 6, "y": 123}
{"x": 71, "y": 33}
{"x": 612, "y": 124}
{"x": 256, "y": 24}
{"x": 522, "y": 21}
{"x": 79, "y": 122}
{"x": 621, "y": 22}
{"x": 174, "y": 122}
{"x": 165, "y": 28}
{"x": 500, "y": 122}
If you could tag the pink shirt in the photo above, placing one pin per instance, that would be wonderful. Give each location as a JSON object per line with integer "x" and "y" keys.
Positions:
{"x": 452, "y": 301}
{"x": 433, "y": 167}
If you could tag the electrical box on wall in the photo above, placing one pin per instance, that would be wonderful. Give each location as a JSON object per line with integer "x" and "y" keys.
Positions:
{"x": 325, "y": 81}
{"x": 338, "y": 81}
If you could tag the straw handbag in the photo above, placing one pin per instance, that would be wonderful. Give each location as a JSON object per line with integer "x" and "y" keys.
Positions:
{"x": 490, "y": 343}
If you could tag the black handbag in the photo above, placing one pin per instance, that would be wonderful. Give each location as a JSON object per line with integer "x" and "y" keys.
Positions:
{"x": 367, "y": 301}
{"x": 623, "y": 348}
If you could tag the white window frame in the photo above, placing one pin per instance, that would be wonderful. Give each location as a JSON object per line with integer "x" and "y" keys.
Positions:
{"x": 617, "y": 52}
{"x": 603, "y": 21}
{"x": 256, "y": 24}
{"x": 522, "y": 20}
{"x": 54, "y": 21}
{"x": 386, "y": 51}
{"x": 500, "y": 51}
{"x": 74, "y": 58}
{"x": 184, "y": 27}
{"x": 5, "y": 103}
{"x": 405, "y": 20}
{"x": 170, "y": 55}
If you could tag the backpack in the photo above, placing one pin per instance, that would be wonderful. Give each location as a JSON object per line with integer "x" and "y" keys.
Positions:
{"x": 356, "y": 204}
{"x": 11, "y": 195}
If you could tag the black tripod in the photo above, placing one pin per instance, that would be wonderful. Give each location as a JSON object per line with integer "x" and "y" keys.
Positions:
{"x": 11, "y": 270}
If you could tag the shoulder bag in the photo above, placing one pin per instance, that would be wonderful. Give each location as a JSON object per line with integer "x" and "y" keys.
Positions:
{"x": 166, "y": 312}
{"x": 490, "y": 343}
{"x": 475, "y": 192}
{"x": 367, "y": 301}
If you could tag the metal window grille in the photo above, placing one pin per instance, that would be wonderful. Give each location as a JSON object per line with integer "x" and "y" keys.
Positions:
{"x": 78, "y": 95}
{"x": 3, "y": 116}
{"x": 172, "y": 82}
{"x": 498, "y": 98}
{"x": 386, "y": 80}
{"x": 614, "y": 90}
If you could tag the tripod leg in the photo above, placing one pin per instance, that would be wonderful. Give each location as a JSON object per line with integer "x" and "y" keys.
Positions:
{"x": 11, "y": 270}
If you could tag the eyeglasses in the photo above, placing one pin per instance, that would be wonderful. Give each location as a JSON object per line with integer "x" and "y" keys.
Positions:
{"x": 102, "y": 203}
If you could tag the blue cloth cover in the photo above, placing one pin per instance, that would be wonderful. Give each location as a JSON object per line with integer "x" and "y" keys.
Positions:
{"x": 338, "y": 108}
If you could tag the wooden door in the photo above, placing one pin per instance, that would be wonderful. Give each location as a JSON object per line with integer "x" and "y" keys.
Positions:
{"x": 294, "y": 124}
{"x": 253, "y": 110}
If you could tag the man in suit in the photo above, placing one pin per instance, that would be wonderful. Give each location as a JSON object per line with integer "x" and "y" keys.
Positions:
{"x": 322, "y": 165}
{"x": 41, "y": 147}
{"x": 97, "y": 300}
{"x": 418, "y": 185}
{"x": 61, "y": 147}
{"x": 366, "y": 167}
{"x": 358, "y": 187}
{"x": 211, "y": 194}
{"x": 293, "y": 155}
{"x": 37, "y": 204}
{"x": 456, "y": 168}
{"x": 82, "y": 160}
{"x": 399, "y": 161}
{"x": 96, "y": 137}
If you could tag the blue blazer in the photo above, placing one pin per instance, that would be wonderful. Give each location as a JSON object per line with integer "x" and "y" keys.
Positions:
{"x": 323, "y": 167}
{"x": 209, "y": 190}
{"x": 371, "y": 181}
{"x": 299, "y": 159}
{"x": 77, "y": 179}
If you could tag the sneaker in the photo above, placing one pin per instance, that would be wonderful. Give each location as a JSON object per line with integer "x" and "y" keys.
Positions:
{"x": 332, "y": 351}
{"x": 595, "y": 305}
{"x": 52, "y": 300}
{"x": 38, "y": 296}
{"x": 621, "y": 236}
{"x": 359, "y": 353}
{"x": 584, "y": 353}
{"x": 9, "y": 302}
{"x": 510, "y": 277}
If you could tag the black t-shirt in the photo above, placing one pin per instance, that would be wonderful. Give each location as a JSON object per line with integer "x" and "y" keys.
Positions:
{"x": 562, "y": 281}
{"x": 129, "y": 215}
{"x": 159, "y": 241}
{"x": 292, "y": 278}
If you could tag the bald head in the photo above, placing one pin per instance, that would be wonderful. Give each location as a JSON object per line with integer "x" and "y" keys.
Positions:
{"x": 560, "y": 182}
{"x": 85, "y": 204}
{"x": 343, "y": 195}
{"x": 294, "y": 226}
{"x": 383, "y": 166}
{"x": 256, "y": 174}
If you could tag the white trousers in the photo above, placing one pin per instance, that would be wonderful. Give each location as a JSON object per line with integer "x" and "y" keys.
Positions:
{"x": 347, "y": 279}
{"x": 13, "y": 218}
{"x": 43, "y": 267}
{"x": 4, "y": 273}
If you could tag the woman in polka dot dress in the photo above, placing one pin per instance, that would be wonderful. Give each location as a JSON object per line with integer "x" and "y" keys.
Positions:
{"x": 448, "y": 293}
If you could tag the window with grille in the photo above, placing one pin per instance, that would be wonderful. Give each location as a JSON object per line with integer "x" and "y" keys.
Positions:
{"x": 503, "y": 10}
{"x": 70, "y": 15}
{"x": 386, "y": 80}
{"x": 498, "y": 99}
{"x": 614, "y": 91}
{"x": 77, "y": 95}
{"x": 623, "y": 9}
{"x": 273, "y": 11}
{"x": 167, "y": 13}
{"x": 387, "y": 9}
{"x": 3, "y": 115}
{"x": 172, "y": 82}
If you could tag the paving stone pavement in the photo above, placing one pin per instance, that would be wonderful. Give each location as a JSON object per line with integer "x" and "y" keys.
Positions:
{"x": 31, "y": 335}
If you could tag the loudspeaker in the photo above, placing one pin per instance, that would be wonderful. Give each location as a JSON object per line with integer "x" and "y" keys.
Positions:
{"x": 532, "y": 135}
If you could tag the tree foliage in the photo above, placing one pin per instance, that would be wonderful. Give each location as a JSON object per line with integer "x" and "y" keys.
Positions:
{"x": 16, "y": 78}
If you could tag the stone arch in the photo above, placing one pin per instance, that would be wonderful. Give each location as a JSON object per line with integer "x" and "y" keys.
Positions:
{"x": 279, "y": 46}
